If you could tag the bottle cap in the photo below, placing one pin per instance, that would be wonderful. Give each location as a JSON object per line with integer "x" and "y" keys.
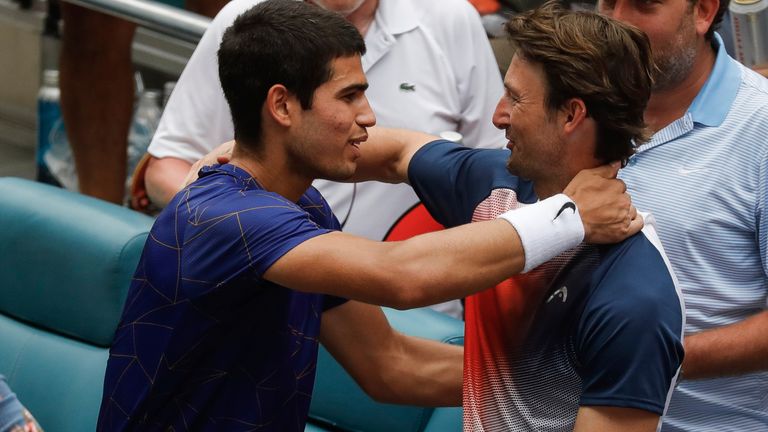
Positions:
{"x": 167, "y": 90}
{"x": 51, "y": 78}
{"x": 151, "y": 96}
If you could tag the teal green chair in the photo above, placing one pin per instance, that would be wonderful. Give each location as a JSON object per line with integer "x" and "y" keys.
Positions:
{"x": 66, "y": 261}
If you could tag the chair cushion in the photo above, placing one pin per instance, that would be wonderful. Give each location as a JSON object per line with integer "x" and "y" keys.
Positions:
{"x": 67, "y": 259}
{"x": 58, "y": 379}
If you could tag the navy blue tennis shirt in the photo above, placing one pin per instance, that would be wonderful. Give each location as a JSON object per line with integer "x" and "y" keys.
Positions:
{"x": 599, "y": 325}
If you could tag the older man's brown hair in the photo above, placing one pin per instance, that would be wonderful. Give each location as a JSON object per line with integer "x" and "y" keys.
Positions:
{"x": 601, "y": 61}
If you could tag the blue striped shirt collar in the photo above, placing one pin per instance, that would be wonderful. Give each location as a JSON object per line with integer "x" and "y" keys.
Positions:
{"x": 714, "y": 100}
{"x": 711, "y": 105}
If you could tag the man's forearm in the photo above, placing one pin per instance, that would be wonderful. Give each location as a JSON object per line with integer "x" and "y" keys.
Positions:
{"x": 432, "y": 267}
{"x": 386, "y": 154}
{"x": 164, "y": 178}
{"x": 610, "y": 419}
{"x": 426, "y": 373}
{"x": 390, "y": 366}
{"x": 735, "y": 349}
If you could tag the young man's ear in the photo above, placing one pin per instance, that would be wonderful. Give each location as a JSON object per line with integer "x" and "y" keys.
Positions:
{"x": 574, "y": 113}
{"x": 279, "y": 105}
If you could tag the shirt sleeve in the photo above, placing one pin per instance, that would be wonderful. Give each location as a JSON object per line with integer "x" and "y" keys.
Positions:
{"x": 629, "y": 339}
{"x": 761, "y": 220}
{"x": 452, "y": 180}
{"x": 330, "y": 302}
{"x": 275, "y": 233}
{"x": 251, "y": 239}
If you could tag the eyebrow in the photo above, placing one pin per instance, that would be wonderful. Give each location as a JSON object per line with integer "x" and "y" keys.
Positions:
{"x": 510, "y": 90}
{"x": 353, "y": 88}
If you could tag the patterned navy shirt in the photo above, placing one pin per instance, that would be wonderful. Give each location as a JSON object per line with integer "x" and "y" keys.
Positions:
{"x": 204, "y": 342}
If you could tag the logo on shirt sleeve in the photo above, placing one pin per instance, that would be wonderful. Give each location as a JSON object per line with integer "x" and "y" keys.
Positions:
{"x": 561, "y": 293}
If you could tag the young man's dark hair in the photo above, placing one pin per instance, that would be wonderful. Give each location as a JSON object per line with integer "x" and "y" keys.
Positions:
{"x": 614, "y": 79}
{"x": 272, "y": 44}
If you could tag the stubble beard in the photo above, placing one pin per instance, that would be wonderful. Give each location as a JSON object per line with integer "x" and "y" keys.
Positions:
{"x": 534, "y": 170}
{"x": 515, "y": 168}
{"x": 675, "y": 62}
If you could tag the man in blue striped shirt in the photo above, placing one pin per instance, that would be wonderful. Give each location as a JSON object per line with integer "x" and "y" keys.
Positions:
{"x": 703, "y": 175}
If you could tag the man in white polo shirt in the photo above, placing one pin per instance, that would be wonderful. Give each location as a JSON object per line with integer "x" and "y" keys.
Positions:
{"x": 704, "y": 175}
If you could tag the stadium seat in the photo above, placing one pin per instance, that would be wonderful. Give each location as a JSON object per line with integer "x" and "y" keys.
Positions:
{"x": 66, "y": 261}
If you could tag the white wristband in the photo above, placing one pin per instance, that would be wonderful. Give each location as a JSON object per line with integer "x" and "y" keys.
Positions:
{"x": 546, "y": 229}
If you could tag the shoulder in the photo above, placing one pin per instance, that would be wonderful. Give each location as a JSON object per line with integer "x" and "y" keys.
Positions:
{"x": 751, "y": 103}
{"x": 754, "y": 82}
{"x": 742, "y": 132}
{"x": 318, "y": 208}
{"x": 630, "y": 335}
{"x": 434, "y": 12}
{"x": 228, "y": 215}
{"x": 443, "y": 19}
{"x": 452, "y": 158}
{"x": 455, "y": 182}
{"x": 635, "y": 279}
{"x": 226, "y": 193}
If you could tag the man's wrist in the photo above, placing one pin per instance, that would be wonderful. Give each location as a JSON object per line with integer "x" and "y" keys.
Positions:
{"x": 546, "y": 229}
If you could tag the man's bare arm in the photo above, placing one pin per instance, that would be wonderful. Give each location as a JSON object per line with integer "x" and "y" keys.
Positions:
{"x": 420, "y": 271}
{"x": 164, "y": 178}
{"x": 449, "y": 264}
{"x": 612, "y": 419}
{"x": 386, "y": 154}
{"x": 734, "y": 349}
{"x": 384, "y": 157}
{"x": 605, "y": 207}
{"x": 390, "y": 366}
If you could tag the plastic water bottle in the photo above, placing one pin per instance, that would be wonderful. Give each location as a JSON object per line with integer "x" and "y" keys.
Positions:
{"x": 167, "y": 90}
{"x": 48, "y": 113}
{"x": 143, "y": 126}
{"x": 55, "y": 164}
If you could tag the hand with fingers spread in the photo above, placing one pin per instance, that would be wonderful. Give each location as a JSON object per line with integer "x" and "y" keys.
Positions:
{"x": 604, "y": 205}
